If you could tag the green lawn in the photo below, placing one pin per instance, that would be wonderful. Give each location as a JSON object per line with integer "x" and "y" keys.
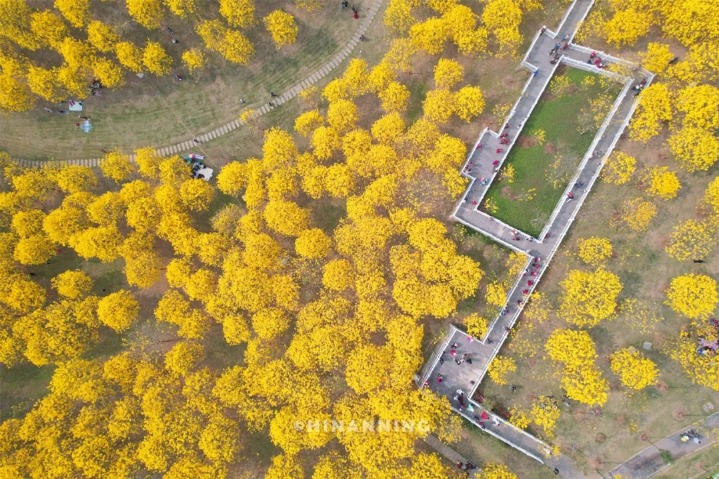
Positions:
{"x": 543, "y": 168}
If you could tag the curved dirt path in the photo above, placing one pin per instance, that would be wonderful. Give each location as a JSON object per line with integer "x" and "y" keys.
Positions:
{"x": 287, "y": 95}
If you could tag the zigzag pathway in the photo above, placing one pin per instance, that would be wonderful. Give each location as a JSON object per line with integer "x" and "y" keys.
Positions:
{"x": 480, "y": 165}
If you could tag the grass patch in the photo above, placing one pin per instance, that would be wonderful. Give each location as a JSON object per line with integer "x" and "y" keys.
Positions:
{"x": 549, "y": 150}
{"x": 22, "y": 386}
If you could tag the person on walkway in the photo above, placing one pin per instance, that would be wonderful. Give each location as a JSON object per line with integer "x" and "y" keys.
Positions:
{"x": 556, "y": 47}
{"x": 439, "y": 379}
{"x": 355, "y": 14}
{"x": 565, "y": 37}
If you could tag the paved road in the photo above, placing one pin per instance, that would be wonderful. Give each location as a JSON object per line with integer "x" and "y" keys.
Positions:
{"x": 648, "y": 462}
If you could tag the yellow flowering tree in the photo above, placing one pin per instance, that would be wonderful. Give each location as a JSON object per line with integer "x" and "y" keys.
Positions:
{"x": 394, "y": 97}
{"x": 72, "y": 284}
{"x": 313, "y": 243}
{"x": 438, "y": 105}
{"x": 282, "y": 27}
{"x": 634, "y": 370}
{"x": 626, "y": 27}
{"x": 595, "y": 250}
{"x": 148, "y": 13}
{"x": 695, "y": 148}
{"x": 581, "y": 379}
{"x": 544, "y": 414}
{"x": 497, "y": 471}
{"x": 700, "y": 106}
{"x": 589, "y": 297}
{"x": 691, "y": 240}
{"x": 619, "y": 168}
{"x": 468, "y": 103}
{"x": 693, "y": 295}
{"x": 638, "y": 213}
{"x": 502, "y": 19}
{"x": 662, "y": 182}
{"x": 654, "y": 110}
{"x": 193, "y": 59}
{"x": 118, "y": 310}
{"x": 155, "y": 59}
{"x": 657, "y": 57}
{"x": 476, "y": 325}
{"x": 701, "y": 368}
{"x": 496, "y": 294}
{"x": 711, "y": 196}
{"x": 500, "y": 367}
{"x": 447, "y": 73}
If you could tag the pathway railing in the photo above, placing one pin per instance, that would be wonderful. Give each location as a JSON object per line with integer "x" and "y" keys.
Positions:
{"x": 510, "y": 293}
{"x": 434, "y": 359}
{"x": 490, "y": 235}
{"x": 508, "y": 322}
{"x": 579, "y": 22}
{"x": 593, "y": 69}
{"x": 510, "y": 116}
{"x": 499, "y": 436}
{"x": 589, "y": 155}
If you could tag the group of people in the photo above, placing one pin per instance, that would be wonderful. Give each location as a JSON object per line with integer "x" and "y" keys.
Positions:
{"x": 595, "y": 59}
{"x": 466, "y": 466}
{"x": 555, "y": 51}
{"x": 484, "y": 417}
{"x": 195, "y": 163}
{"x": 355, "y": 12}
{"x": 639, "y": 87}
{"x": 709, "y": 345}
{"x": 95, "y": 87}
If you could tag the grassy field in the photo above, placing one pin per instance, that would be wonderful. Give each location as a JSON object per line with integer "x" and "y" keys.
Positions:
{"x": 162, "y": 111}
{"x": 547, "y": 152}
